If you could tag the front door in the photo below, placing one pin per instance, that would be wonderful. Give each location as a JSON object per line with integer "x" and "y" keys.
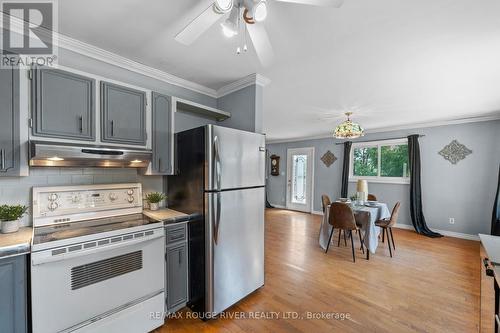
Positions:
{"x": 300, "y": 179}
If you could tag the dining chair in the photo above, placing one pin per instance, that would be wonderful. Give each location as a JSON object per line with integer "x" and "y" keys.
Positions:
{"x": 342, "y": 217}
{"x": 372, "y": 197}
{"x": 325, "y": 202}
{"x": 387, "y": 224}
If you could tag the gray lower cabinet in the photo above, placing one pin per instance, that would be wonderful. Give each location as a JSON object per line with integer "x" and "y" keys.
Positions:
{"x": 177, "y": 267}
{"x": 123, "y": 115}
{"x": 163, "y": 135}
{"x": 63, "y": 104}
{"x": 9, "y": 122}
{"x": 13, "y": 294}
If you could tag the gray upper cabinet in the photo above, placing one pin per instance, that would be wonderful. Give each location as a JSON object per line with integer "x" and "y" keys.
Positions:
{"x": 13, "y": 294}
{"x": 63, "y": 104}
{"x": 163, "y": 135}
{"x": 123, "y": 115}
{"x": 9, "y": 122}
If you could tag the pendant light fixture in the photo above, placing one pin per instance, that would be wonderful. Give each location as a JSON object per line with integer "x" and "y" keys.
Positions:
{"x": 348, "y": 129}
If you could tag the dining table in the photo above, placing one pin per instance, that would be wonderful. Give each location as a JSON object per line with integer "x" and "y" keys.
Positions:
{"x": 366, "y": 215}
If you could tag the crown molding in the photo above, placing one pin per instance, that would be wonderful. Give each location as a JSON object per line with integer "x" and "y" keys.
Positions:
{"x": 397, "y": 128}
{"x": 243, "y": 83}
{"x": 94, "y": 52}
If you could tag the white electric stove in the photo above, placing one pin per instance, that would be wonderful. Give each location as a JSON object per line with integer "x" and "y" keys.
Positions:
{"x": 97, "y": 263}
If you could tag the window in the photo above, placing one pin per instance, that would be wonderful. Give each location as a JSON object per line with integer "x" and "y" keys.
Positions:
{"x": 382, "y": 161}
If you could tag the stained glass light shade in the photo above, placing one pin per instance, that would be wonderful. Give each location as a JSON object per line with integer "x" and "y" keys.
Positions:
{"x": 348, "y": 129}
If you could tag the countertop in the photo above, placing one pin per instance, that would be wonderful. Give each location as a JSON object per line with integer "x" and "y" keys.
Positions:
{"x": 16, "y": 243}
{"x": 166, "y": 215}
{"x": 491, "y": 245}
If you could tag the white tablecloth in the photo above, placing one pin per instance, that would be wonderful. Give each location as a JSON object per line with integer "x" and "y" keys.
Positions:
{"x": 366, "y": 216}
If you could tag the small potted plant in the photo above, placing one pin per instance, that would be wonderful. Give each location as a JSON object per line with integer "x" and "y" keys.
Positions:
{"x": 154, "y": 199}
{"x": 9, "y": 217}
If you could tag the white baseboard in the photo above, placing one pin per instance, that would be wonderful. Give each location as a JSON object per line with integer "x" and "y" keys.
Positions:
{"x": 442, "y": 232}
{"x": 410, "y": 227}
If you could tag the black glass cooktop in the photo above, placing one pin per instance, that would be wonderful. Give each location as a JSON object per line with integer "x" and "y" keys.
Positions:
{"x": 88, "y": 227}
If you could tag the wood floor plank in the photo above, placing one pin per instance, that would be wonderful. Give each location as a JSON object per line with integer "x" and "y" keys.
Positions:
{"x": 430, "y": 285}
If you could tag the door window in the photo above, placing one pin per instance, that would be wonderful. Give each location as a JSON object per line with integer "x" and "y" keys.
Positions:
{"x": 299, "y": 179}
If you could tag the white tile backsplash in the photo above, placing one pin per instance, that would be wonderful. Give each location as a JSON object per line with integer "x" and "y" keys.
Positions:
{"x": 17, "y": 190}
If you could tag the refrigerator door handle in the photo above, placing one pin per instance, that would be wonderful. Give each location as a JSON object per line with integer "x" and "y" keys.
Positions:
{"x": 217, "y": 163}
{"x": 217, "y": 219}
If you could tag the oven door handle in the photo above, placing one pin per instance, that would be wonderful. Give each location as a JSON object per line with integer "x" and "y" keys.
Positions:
{"x": 44, "y": 257}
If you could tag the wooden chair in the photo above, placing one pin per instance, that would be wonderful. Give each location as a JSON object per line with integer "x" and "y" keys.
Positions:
{"x": 342, "y": 217}
{"x": 325, "y": 202}
{"x": 372, "y": 197}
{"x": 386, "y": 225}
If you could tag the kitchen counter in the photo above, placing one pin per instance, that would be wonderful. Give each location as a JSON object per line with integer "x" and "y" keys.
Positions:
{"x": 16, "y": 243}
{"x": 167, "y": 216}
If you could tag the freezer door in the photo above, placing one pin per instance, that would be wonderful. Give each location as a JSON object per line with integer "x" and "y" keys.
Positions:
{"x": 235, "y": 159}
{"x": 235, "y": 246}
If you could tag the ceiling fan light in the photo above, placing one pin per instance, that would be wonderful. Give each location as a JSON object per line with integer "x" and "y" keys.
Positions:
{"x": 259, "y": 11}
{"x": 223, "y": 6}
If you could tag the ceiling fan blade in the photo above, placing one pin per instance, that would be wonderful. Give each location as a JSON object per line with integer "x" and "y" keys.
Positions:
{"x": 261, "y": 43}
{"x": 198, "y": 26}
{"x": 322, "y": 3}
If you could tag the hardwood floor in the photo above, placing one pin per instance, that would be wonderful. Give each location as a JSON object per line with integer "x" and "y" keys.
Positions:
{"x": 430, "y": 285}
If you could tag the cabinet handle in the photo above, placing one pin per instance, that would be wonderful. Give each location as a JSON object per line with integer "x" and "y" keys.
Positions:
{"x": 2, "y": 160}
{"x": 180, "y": 257}
{"x": 159, "y": 164}
{"x": 112, "y": 128}
{"x": 80, "y": 121}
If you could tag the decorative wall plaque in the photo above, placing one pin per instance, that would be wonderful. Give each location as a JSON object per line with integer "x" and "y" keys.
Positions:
{"x": 328, "y": 158}
{"x": 455, "y": 152}
{"x": 275, "y": 165}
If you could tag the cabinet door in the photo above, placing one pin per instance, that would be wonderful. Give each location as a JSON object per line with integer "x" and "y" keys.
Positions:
{"x": 9, "y": 122}
{"x": 13, "y": 302}
{"x": 162, "y": 163}
{"x": 63, "y": 105}
{"x": 176, "y": 276}
{"x": 123, "y": 114}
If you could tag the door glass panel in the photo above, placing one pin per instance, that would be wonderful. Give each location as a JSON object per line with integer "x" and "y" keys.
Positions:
{"x": 299, "y": 183}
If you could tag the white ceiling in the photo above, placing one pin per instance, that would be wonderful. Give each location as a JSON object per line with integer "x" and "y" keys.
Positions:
{"x": 392, "y": 62}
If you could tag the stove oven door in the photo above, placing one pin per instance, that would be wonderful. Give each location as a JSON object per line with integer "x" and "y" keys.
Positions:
{"x": 78, "y": 288}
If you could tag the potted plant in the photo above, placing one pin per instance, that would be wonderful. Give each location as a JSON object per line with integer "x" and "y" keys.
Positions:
{"x": 9, "y": 217}
{"x": 154, "y": 199}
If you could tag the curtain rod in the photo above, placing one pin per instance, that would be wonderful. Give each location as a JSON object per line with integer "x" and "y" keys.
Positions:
{"x": 404, "y": 137}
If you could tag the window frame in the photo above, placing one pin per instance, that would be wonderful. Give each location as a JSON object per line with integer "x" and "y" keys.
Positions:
{"x": 378, "y": 178}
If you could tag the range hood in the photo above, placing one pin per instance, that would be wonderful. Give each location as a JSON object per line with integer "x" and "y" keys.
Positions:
{"x": 52, "y": 154}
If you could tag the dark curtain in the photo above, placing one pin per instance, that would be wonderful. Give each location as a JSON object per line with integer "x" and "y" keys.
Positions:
{"x": 495, "y": 220}
{"x": 417, "y": 215}
{"x": 345, "y": 169}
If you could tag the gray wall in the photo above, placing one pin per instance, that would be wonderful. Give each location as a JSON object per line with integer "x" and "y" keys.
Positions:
{"x": 245, "y": 106}
{"x": 464, "y": 191}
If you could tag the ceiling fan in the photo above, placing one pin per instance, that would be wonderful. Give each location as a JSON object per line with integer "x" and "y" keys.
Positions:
{"x": 244, "y": 16}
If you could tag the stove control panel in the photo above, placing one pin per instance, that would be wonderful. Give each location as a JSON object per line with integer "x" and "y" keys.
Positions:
{"x": 70, "y": 200}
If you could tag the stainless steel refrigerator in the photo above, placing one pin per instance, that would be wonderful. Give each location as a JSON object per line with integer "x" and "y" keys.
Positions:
{"x": 220, "y": 182}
